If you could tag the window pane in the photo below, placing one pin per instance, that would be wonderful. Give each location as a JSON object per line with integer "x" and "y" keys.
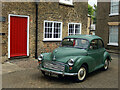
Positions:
{"x": 50, "y": 24}
{"x": 50, "y": 32}
{"x": 57, "y": 27}
{"x": 71, "y": 29}
{"x": 114, "y": 6}
{"x": 71, "y": 25}
{"x": 94, "y": 44}
{"x": 48, "y": 29}
{"x": 113, "y": 34}
{"x": 77, "y": 29}
{"x": 100, "y": 44}
{"x": 45, "y": 24}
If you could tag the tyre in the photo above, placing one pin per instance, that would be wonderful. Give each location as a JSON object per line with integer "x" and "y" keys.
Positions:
{"x": 43, "y": 72}
{"x": 82, "y": 73}
{"x": 106, "y": 65}
{"x": 60, "y": 76}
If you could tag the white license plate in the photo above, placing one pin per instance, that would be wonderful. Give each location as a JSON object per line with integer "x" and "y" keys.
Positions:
{"x": 51, "y": 74}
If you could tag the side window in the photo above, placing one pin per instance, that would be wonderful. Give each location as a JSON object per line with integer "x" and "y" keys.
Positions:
{"x": 100, "y": 44}
{"x": 94, "y": 45}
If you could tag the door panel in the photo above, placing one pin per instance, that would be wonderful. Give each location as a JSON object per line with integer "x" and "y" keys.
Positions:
{"x": 94, "y": 52}
{"x": 101, "y": 50}
{"x": 95, "y": 55}
{"x": 18, "y": 36}
{"x": 101, "y": 53}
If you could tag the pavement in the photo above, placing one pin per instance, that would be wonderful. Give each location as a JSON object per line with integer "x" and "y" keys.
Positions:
{"x": 9, "y": 67}
{"x": 23, "y": 73}
{"x": 18, "y": 65}
{"x": 113, "y": 51}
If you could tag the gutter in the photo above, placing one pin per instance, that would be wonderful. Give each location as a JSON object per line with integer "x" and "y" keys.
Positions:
{"x": 90, "y": 25}
{"x": 36, "y": 36}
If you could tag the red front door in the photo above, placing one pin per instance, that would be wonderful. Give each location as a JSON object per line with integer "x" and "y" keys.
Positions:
{"x": 18, "y": 36}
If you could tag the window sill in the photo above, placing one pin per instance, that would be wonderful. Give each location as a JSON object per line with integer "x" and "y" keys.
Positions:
{"x": 67, "y": 4}
{"x": 113, "y": 44}
{"x": 113, "y": 14}
{"x": 52, "y": 39}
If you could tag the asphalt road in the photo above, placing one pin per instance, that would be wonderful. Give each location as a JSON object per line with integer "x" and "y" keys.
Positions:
{"x": 32, "y": 78}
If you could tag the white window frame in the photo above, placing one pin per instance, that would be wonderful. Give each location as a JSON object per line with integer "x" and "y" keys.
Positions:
{"x": 74, "y": 27}
{"x": 70, "y": 2}
{"x": 9, "y": 32}
{"x": 113, "y": 44}
{"x": 112, "y": 14}
{"x": 52, "y": 39}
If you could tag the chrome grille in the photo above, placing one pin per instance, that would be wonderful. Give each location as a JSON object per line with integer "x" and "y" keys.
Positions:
{"x": 54, "y": 65}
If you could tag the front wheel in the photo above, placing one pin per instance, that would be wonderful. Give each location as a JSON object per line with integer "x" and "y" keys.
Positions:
{"x": 106, "y": 65}
{"x": 60, "y": 76}
{"x": 43, "y": 72}
{"x": 82, "y": 73}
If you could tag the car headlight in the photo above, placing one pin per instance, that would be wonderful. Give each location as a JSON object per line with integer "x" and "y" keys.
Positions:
{"x": 41, "y": 57}
{"x": 71, "y": 62}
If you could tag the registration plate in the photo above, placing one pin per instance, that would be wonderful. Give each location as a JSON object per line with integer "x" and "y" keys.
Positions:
{"x": 51, "y": 74}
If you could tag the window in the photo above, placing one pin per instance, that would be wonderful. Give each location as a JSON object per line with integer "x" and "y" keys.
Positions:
{"x": 52, "y": 31}
{"x": 113, "y": 35}
{"x": 94, "y": 45}
{"x": 114, "y": 10}
{"x": 68, "y": 2}
{"x": 76, "y": 43}
{"x": 100, "y": 44}
{"x": 74, "y": 28}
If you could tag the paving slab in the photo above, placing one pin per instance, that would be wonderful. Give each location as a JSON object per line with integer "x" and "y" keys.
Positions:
{"x": 8, "y": 67}
{"x": 33, "y": 78}
{"x": 18, "y": 65}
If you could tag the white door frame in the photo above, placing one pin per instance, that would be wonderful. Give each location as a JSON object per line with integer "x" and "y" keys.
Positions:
{"x": 9, "y": 32}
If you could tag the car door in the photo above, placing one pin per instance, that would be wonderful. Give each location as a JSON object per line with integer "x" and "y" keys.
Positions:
{"x": 101, "y": 51}
{"x": 93, "y": 52}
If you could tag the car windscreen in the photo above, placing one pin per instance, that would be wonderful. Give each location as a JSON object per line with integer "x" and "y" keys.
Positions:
{"x": 77, "y": 43}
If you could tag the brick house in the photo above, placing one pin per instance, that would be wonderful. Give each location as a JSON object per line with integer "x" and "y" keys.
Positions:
{"x": 108, "y": 23}
{"x": 91, "y": 26}
{"x": 88, "y": 24}
{"x": 55, "y": 20}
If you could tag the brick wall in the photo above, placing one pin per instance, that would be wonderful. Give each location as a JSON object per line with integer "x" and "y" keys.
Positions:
{"x": 88, "y": 25}
{"x": 51, "y": 11}
{"x": 17, "y": 8}
{"x": 65, "y": 14}
{"x": 103, "y": 19}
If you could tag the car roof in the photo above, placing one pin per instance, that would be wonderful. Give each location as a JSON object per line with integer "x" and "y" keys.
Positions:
{"x": 88, "y": 37}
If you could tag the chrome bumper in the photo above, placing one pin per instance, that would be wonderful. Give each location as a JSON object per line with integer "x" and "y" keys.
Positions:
{"x": 55, "y": 72}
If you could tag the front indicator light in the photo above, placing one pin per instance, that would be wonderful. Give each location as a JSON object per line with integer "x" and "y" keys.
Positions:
{"x": 70, "y": 68}
{"x": 39, "y": 62}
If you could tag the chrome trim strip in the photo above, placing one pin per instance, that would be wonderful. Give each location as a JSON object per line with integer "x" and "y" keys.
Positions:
{"x": 63, "y": 73}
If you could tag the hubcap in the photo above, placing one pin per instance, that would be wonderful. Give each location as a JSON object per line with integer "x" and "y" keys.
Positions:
{"x": 81, "y": 73}
{"x": 106, "y": 64}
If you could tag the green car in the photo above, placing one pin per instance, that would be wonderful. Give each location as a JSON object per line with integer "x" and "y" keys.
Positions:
{"x": 76, "y": 56}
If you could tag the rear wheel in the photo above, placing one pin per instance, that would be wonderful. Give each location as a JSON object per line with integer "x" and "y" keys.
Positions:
{"x": 106, "y": 65}
{"x": 82, "y": 73}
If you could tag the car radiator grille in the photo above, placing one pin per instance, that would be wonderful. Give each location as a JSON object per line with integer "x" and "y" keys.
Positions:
{"x": 54, "y": 65}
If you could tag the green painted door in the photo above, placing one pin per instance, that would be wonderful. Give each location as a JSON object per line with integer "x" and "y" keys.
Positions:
{"x": 94, "y": 52}
{"x": 101, "y": 51}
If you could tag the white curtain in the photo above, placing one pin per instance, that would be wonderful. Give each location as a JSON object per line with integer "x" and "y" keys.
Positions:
{"x": 113, "y": 34}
